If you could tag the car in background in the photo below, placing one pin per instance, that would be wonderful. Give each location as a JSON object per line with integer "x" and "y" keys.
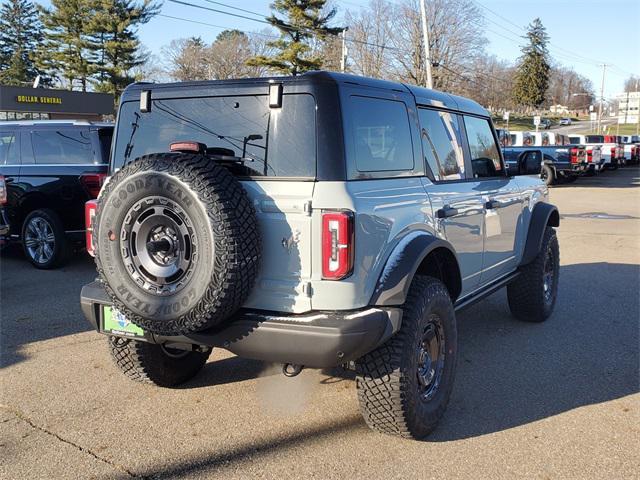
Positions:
{"x": 611, "y": 151}
{"x": 545, "y": 124}
{"x": 554, "y": 163}
{"x": 631, "y": 145}
{"x": 595, "y": 159}
{"x": 48, "y": 170}
{"x": 565, "y": 121}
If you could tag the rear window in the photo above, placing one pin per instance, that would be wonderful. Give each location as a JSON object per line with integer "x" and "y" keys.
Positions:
{"x": 594, "y": 139}
{"x": 574, "y": 140}
{"x": 62, "y": 146}
{"x": 273, "y": 142}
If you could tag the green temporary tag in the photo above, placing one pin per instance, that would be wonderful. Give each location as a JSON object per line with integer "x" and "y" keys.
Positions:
{"x": 115, "y": 322}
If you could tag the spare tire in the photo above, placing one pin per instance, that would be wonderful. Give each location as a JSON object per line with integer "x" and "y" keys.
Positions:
{"x": 177, "y": 243}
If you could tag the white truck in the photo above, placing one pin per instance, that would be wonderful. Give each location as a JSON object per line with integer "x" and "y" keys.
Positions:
{"x": 595, "y": 158}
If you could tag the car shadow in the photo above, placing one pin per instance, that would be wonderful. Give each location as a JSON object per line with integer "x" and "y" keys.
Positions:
{"x": 37, "y": 305}
{"x": 627, "y": 177}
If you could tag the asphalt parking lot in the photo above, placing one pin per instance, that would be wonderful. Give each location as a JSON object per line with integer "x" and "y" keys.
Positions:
{"x": 555, "y": 400}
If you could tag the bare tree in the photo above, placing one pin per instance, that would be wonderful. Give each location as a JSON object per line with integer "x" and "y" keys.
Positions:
{"x": 370, "y": 35}
{"x": 455, "y": 40}
{"x": 632, "y": 83}
{"x": 186, "y": 59}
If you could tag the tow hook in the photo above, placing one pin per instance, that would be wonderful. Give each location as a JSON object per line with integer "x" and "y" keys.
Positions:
{"x": 291, "y": 369}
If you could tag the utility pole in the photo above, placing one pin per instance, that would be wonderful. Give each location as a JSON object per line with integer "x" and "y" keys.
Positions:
{"x": 604, "y": 69}
{"x": 425, "y": 41}
{"x": 343, "y": 58}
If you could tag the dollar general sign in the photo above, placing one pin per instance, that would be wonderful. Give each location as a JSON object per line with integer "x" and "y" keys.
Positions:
{"x": 38, "y": 99}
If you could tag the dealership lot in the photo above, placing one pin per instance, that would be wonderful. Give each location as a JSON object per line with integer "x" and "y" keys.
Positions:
{"x": 555, "y": 400}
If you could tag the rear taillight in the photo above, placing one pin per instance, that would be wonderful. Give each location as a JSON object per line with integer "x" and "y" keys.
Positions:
{"x": 92, "y": 182}
{"x": 574, "y": 155}
{"x": 3, "y": 191}
{"x": 89, "y": 213}
{"x": 337, "y": 245}
{"x": 590, "y": 155}
{"x": 614, "y": 151}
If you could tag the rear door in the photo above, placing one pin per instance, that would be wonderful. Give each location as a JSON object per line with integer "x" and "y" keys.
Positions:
{"x": 457, "y": 202}
{"x": 501, "y": 197}
{"x": 10, "y": 169}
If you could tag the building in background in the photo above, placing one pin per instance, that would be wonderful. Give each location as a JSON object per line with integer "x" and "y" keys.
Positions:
{"x": 628, "y": 107}
{"x": 20, "y": 103}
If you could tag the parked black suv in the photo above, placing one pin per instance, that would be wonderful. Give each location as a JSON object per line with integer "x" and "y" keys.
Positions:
{"x": 48, "y": 170}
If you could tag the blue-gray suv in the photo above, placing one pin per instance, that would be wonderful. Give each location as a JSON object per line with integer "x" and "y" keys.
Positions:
{"x": 317, "y": 221}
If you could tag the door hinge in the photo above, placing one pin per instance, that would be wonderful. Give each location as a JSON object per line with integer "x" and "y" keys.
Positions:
{"x": 307, "y": 289}
{"x": 307, "y": 208}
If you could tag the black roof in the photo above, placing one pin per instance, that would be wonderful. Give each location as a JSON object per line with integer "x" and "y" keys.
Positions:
{"x": 423, "y": 96}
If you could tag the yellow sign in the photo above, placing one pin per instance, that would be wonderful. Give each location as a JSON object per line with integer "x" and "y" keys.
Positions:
{"x": 38, "y": 99}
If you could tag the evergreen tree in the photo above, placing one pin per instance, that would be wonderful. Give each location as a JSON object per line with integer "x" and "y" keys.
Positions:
{"x": 533, "y": 71}
{"x": 304, "y": 22}
{"x": 114, "y": 43}
{"x": 66, "y": 51}
{"x": 20, "y": 35}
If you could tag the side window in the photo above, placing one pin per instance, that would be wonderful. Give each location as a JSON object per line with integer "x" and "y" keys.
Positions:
{"x": 381, "y": 135}
{"x": 9, "y": 154}
{"x": 485, "y": 158}
{"x": 68, "y": 146}
{"x": 532, "y": 163}
{"x": 441, "y": 144}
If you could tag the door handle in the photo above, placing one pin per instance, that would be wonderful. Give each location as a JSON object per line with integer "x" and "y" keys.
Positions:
{"x": 446, "y": 212}
{"x": 492, "y": 205}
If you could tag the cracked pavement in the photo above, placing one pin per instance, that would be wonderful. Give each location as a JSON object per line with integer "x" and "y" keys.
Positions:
{"x": 555, "y": 400}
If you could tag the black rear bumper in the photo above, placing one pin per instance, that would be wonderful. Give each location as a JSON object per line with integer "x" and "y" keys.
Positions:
{"x": 317, "y": 339}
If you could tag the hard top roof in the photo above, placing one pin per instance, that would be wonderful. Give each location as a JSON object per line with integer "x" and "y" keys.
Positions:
{"x": 52, "y": 123}
{"x": 423, "y": 96}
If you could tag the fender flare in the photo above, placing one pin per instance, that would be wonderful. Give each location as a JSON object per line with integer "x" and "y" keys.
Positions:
{"x": 543, "y": 215}
{"x": 401, "y": 266}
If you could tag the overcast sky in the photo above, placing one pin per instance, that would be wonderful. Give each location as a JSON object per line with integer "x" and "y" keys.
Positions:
{"x": 584, "y": 33}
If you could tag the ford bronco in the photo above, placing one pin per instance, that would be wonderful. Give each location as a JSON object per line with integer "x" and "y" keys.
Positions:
{"x": 319, "y": 220}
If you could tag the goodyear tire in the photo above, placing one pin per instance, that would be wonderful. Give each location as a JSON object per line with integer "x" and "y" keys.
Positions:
{"x": 178, "y": 247}
{"x": 156, "y": 364}
{"x": 532, "y": 295}
{"x": 405, "y": 384}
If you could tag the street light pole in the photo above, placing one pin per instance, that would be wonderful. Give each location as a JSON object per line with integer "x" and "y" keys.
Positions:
{"x": 604, "y": 68}
{"x": 425, "y": 41}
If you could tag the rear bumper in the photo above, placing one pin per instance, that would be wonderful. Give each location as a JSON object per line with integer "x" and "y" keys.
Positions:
{"x": 318, "y": 339}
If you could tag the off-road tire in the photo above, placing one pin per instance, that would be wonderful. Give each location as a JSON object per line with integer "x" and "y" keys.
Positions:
{"x": 61, "y": 248}
{"x": 387, "y": 378}
{"x": 548, "y": 175}
{"x": 149, "y": 363}
{"x": 226, "y": 248}
{"x": 526, "y": 294}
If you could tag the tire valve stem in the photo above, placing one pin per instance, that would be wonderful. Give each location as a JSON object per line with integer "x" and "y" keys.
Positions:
{"x": 291, "y": 369}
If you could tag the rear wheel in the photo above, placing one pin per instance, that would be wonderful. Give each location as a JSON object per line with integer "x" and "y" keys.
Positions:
{"x": 44, "y": 240}
{"x": 404, "y": 385}
{"x": 548, "y": 175}
{"x": 156, "y": 364}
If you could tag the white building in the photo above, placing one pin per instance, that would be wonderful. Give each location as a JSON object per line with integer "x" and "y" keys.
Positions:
{"x": 628, "y": 107}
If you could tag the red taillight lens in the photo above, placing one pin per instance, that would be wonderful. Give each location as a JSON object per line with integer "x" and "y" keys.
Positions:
{"x": 3, "y": 191}
{"x": 590, "y": 155}
{"x": 614, "y": 151}
{"x": 337, "y": 245}
{"x": 574, "y": 155}
{"x": 92, "y": 182}
{"x": 89, "y": 213}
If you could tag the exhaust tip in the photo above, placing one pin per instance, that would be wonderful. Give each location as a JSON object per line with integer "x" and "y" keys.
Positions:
{"x": 291, "y": 369}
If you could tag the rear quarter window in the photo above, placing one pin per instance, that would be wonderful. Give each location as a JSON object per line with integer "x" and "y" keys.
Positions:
{"x": 380, "y": 135}
{"x": 9, "y": 154}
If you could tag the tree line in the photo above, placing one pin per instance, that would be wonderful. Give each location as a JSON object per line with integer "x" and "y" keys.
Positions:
{"x": 93, "y": 44}
{"x": 74, "y": 44}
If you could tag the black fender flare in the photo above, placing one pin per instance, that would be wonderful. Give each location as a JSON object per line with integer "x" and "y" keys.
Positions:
{"x": 543, "y": 215}
{"x": 401, "y": 266}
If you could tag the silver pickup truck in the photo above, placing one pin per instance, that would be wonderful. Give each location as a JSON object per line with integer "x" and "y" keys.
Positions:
{"x": 318, "y": 220}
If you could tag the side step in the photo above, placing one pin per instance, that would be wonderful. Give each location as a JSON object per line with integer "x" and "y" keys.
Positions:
{"x": 474, "y": 297}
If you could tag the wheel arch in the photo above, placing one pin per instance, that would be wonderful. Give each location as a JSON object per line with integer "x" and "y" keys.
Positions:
{"x": 543, "y": 215}
{"x": 418, "y": 253}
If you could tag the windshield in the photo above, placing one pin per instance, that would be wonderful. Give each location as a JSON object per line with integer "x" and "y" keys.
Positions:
{"x": 272, "y": 142}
